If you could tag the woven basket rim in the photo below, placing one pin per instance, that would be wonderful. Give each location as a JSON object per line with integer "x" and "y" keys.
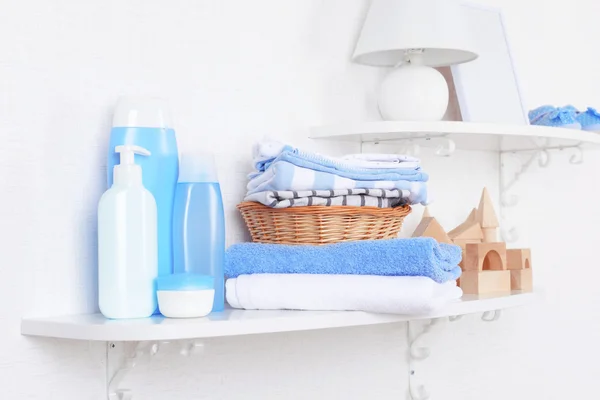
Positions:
{"x": 396, "y": 211}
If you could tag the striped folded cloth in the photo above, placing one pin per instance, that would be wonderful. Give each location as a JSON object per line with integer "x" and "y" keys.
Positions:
{"x": 381, "y": 198}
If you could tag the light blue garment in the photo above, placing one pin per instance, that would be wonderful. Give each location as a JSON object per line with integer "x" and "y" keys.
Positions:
{"x": 589, "y": 120}
{"x": 159, "y": 176}
{"x": 283, "y": 175}
{"x": 393, "y": 257}
{"x": 271, "y": 150}
{"x": 321, "y": 163}
{"x": 562, "y": 117}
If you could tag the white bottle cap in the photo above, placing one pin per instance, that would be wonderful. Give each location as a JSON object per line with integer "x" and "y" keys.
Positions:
{"x": 197, "y": 167}
{"x": 142, "y": 112}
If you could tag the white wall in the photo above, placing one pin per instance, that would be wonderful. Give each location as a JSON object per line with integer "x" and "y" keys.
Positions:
{"x": 233, "y": 71}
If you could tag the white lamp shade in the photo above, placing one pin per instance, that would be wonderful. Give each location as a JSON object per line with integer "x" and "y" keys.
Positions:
{"x": 394, "y": 26}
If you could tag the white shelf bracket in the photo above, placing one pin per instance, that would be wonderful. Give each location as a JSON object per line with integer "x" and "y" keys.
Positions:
{"x": 122, "y": 357}
{"x": 418, "y": 351}
{"x": 513, "y": 166}
{"x": 491, "y": 316}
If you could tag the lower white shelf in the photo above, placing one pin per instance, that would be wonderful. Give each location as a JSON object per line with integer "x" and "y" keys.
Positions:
{"x": 241, "y": 322}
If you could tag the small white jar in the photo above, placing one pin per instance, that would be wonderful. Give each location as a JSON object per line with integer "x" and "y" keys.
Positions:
{"x": 185, "y": 295}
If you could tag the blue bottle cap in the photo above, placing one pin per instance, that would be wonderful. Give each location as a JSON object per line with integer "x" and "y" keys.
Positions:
{"x": 185, "y": 281}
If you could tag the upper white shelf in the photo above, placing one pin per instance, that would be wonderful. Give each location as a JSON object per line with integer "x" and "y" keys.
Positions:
{"x": 240, "y": 322}
{"x": 466, "y": 135}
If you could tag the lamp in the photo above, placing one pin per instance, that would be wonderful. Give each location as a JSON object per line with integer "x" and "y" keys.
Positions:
{"x": 414, "y": 36}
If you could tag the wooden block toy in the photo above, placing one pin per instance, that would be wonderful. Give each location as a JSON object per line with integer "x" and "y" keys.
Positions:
{"x": 469, "y": 230}
{"x": 485, "y": 256}
{"x": 429, "y": 227}
{"x": 464, "y": 242}
{"x": 521, "y": 279}
{"x": 518, "y": 259}
{"x": 472, "y": 216}
{"x": 486, "y": 215}
{"x": 463, "y": 245}
{"x": 483, "y": 282}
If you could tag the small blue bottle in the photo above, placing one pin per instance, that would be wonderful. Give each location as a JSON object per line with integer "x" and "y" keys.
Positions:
{"x": 146, "y": 122}
{"x": 199, "y": 222}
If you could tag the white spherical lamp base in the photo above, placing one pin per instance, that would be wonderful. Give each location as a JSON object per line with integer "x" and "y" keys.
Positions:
{"x": 413, "y": 93}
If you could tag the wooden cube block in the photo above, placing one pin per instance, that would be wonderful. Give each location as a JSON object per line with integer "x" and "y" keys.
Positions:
{"x": 518, "y": 258}
{"x": 463, "y": 242}
{"x": 483, "y": 282}
{"x": 521, "y": 279}
{"x": 485, "y": 256}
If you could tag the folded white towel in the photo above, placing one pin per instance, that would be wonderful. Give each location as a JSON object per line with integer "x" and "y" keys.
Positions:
{"x": 410, "y": 295}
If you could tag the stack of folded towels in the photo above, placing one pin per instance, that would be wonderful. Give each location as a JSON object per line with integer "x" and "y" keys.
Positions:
{"x": 289, "y": 177}
{"x": 396, "y": 276}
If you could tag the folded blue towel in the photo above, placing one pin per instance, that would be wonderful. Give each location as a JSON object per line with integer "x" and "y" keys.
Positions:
{"x": 394, "y": 257}
{"x": 283, "y": 176}
{"x": 321, "y": 163}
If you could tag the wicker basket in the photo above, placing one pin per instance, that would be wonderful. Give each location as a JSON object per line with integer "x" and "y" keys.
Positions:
{"x": 318, "y": 225}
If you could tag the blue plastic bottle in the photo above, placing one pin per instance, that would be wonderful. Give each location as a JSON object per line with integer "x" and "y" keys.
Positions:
{"x": 146, "y": 122}
{"x": 199, "y": 222}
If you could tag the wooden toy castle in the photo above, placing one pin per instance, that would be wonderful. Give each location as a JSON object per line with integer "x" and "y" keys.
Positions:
{"x": 488, "y": 267}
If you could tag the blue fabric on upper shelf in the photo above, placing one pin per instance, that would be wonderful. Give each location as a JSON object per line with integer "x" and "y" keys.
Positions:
{"x": 393, "y": 257}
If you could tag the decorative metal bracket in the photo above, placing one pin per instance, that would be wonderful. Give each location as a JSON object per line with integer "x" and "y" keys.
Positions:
{"x": 508, "y": 179}
{"x": 418, "y": 351}
{"x": 122, "y": 357}
{"x": 491, "y": 316}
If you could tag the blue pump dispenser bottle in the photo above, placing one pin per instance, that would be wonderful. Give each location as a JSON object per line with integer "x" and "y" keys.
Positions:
{"x": 146, "y": 122}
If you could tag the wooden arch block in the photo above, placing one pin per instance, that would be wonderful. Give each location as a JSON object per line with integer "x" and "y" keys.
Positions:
{"x": 518, "y": 259}
{"x": 485, "y": 256}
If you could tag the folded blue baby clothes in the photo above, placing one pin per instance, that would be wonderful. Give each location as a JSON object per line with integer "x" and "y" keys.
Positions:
{"x": 283, "y": 176}
{"x": 393, "y": 257}
{"x": 331, "y": 165}
{"x": 589, "y": 120}
{"x": 562, "y": 117}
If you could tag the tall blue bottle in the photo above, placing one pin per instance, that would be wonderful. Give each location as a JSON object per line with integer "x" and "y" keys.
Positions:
{"x": 146, "y": 122}
{"x": 199, "y": 222}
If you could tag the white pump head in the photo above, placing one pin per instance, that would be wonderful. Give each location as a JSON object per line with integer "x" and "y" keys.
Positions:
{"x": 128, "y": 171}
{"x": 127, "y": 153}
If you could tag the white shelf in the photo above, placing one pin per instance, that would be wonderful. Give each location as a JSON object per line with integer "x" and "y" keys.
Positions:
{"x": 239, "y": 322}
{"x": 466, "y": 135}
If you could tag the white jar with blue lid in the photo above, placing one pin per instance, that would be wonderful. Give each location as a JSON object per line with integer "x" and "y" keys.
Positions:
{"x": 185, "y": 295}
